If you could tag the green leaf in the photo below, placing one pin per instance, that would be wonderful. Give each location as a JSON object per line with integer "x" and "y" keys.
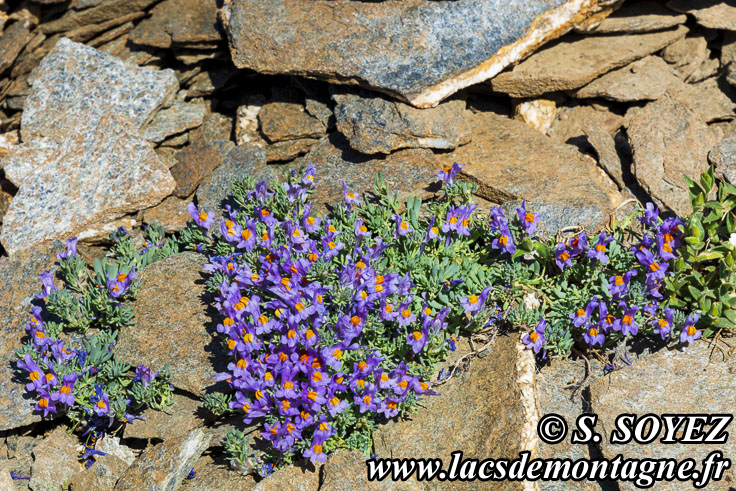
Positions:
{"x": 708, "y": 256}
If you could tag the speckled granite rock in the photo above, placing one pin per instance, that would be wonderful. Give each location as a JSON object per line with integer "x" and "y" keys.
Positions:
{"x": 605, "y": 148}
{"x": 645, "y": 16}
{"x": 292, "y": 478}
{"x": 75, "y": 84}
{"x": 6, "y": 482}
{"x": 669, "y": 140}
{"x": 111, "y": 171}
{"x": 288, "y": 149}
{"x": 571, "y": 121}
{"x": 638, "y": 389}
{"x": 94, "y": 12}
{"x": 103, "y": 474}
{"x": 18, "y": 284}
{"x": 712, "y": 99}
{"x": 23, "y": 160}
{"x": 645, "y": 79}
{"x": 179, "y": 22}
{"x": 489, "y": 395}
{"x": 164, "y": 466}
{"x": 714, "y": 14}
{"x": 55, "y": 462}
{"x": 375, "y": 124}
{"x": 181, "y": 116}
{"x": 178, "y": 420}
{"x": 347, "y": 470}
{"x": 288, "y": 121}
{"x": 181, "y": 337}
{"x": 420, "y": 51}
{"x": 723, "y": 156}
{"x": 171, "y": 213}
{"x": 213, "y": 476}
{"x": 563, "y": 178}
{"x": 575, "y": 61}
{"x": 241, "y": 160}
{"x": 686, "y": 55}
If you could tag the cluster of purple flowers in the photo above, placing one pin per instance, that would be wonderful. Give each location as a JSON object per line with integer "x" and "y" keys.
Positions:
{"x": 296, "y": 343}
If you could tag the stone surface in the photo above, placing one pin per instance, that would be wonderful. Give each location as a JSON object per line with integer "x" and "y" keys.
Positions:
{"x": 537, "y": 113}
{"x": 489, "y": 395}
{"x": 281, "y": 121}
{"x": 179, "y": 22}
{"x": 8, "y": 141}
{"x": 669, "y": 140}
{"x": 5, "y": 199}
{"x": 288, "y": 149}
{"x": 714, "y": 14}
{"x": 178, "y": 420}
{"x": 417, "y": 50}
{"x": 723, "y": 156}
{"x": 687, "y": 55}
{"x": 503, "y": 158}
{"x": 26, "y": 158}
{"x": 12, "y": 40}
{"x": 18, "y": 283}
{"x": 181, "y": 116}
{"x": 241, "y": 160}
{"x": 99, "y": 12}
{"x": 216, "y": 126}
{"x": 55, "y": 461}
{"x": 605, "y": 148}
{"x": 347, "y": 470}
{"x": 728, "y": 48}
{"x": 164, "y": 466}
{"x": 181, "y": 337}
{"x": 19, "y": 455}
{"x": 638, "y": 389}
{"x": 712, "y": 99}
{"x": 212, "y": 476}
{"x": 375, "y": 124}
{"x": 103, "y": 474}
{"x": 110, "y": 169}
{"x": 292, "y": 478}
{"x": 646, "y": 16}
{"x": 246, "y": 122}
{"x": 75, "y": 84}
{"x": 171, "y": 213}
{"x": 645, "y": 79}
{"x": 195, "y": 163}
{"x": 575, "y": 61}
{"x": 111, "y": 445}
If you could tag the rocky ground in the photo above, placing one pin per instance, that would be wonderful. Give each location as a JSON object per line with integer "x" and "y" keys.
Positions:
{"x": 119, "y": 112}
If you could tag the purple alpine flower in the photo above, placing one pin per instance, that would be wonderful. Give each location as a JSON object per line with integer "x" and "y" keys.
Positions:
{"x": 144, "y": 375}
{"x": 535, "y": 340}
{"x": 350, "y": 198}
{"x": 578, "y": 244}
{"x": 627, "y": 324}
{"x": 474, "y": 303}
{"x": 498, "y": 219}
{"x": 402, "y": 226}
{"x": 203, "y": 219}
{"x": 47, "y": 280}
{"x": 418, "y": 339}
{"x": 315, "y": 453}
{"x": 689, "y": 332}
{"x": 65, "y": 395}
{"x": 505, "y": 242}
{"x": 448, "y": 174}
{"x": 528, "y": 221}
{"x": 592, "y": 336}
{"x": 563, "y": 259}
{"x": 649, "y": 215}
{"x": 71, "y": 249}
{"x": 664, "y": 326}
{"x": 598, "y": 251}
{"x": 582, "y": 316}
{"x": 619, "y": 284}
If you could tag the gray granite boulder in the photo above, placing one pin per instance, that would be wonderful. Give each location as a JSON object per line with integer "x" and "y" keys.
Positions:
{"x": 375, "y": 124}
{"x": 420, "y": 51}
{"x": 723, "y": 156}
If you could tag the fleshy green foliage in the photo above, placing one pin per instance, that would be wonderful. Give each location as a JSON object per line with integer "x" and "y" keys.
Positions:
{"x": 705, "y": 275}
{"x": 69, "y": 361}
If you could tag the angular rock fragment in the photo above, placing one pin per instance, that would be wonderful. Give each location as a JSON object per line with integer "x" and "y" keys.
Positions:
{"x": 282, "y": 121}
{"x": 23, "y": 160}
{"x": 111, "y": 171}
{"x": 288, "y": 149}
{"x": 98, "y": 12}
{"x": 575, "y": 61}
{"x": 638, "y": 389}
{"x": 669, "y": 140}
{"x": 166, "y": 465}
{"x": 13, "y": 40}
{"x": 241, "y": 160}
{"x": 723, "y": 156}
{"x": 171, "y": 213}
{"x": 178, "y": 420}
{"x": 105, "y": 472}
{"x": 645, "y": 79}
{"x": 637, "y": 17}
{"x": 605, "y": 147}
{"x": 195, "y": 163}
{"x": 179, "y": 22}
{"x": 687, "y": 55}
{"x": 544, "y": 171}
{"x": 715, "y": 14}
{"x": 419, "y": 51}
{"x": 75, "y": 84}
{"x": 537, "y": 113}
{"x": 180, "y": 117}
{"x": 375, "y": 124}
{"x": 712, "y": 99}
{"x": 182, "y": 338}
{"x": 55, "y": 461}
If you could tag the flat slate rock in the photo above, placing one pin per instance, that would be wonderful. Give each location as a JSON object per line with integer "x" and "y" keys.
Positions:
{"x": 196, "y": 162}
{"x": 704, "y": 386}
{"x": 111, "y": 171}
{"x": 577, "y": 60}
{"x": 510, "y": 160}
{"x": 669, "y": 140}
{"x": 181, "y": 116}
{"x": 179, "y": 419}
{"x": 18, "y": 284}
{"x": 280, "y": 121}
{"x": 643, "y": 80}
{"x": 646, "y": 16}
{"x": 185, "y": 337}
{"x": 171, "y": 213}
{"x": 713, "y": 99}
{"x": 723, "y": 156}
{"x": 166, "y": 465}
{"x": 55, "y": 461}
{"x": 419, "y": 51}
{"x": 105, "y": 472}
{"x": 376, "y": 124}
{"x": 94, "y": 12}
{"x": 12, "y": 41}
{"x": 714, "y": 14}
{"x": 179, "y": 22}
{"x": 76, "y": 83}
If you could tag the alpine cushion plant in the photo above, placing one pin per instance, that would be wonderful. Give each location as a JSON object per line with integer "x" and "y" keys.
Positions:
{"x": 69, "y": 361}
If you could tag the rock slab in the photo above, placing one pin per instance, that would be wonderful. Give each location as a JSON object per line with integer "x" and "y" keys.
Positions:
{"x": 417, "y": 50}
